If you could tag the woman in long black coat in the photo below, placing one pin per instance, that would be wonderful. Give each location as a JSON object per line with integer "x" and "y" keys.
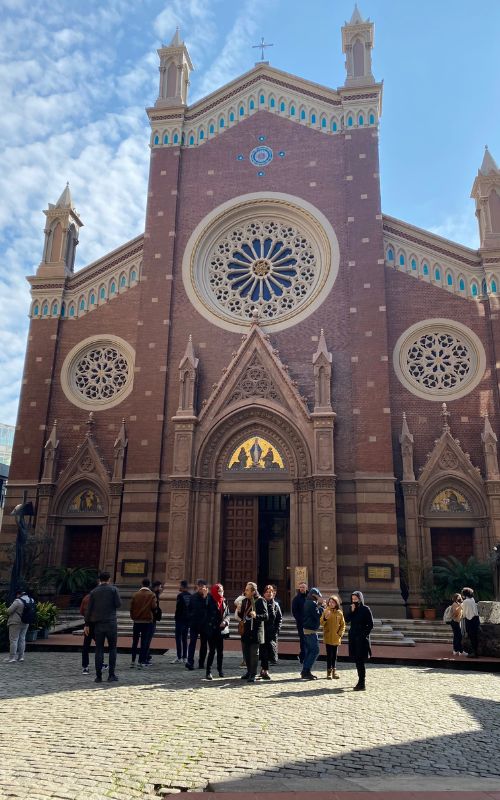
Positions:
{"x": 217, "y": 628}
{"x": 361, "y": 623}
{"x": 268, "y": 651}
{"x": 253, "y": 614}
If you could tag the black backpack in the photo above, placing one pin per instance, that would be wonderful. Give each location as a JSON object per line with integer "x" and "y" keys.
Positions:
{"x": 28, "y": 617}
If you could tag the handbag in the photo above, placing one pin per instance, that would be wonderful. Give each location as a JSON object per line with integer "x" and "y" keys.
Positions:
{"x": 225, "y": 630}
{"x": 241, "y": 627}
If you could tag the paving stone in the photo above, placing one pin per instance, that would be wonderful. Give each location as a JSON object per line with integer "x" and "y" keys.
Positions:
{"x": 169, "y": 729}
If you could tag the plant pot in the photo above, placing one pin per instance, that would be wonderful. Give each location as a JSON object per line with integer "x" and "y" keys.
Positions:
{"x": 43, "y": 633}
{"x": 415, "y": 612}
{"x": 31, "y": 635}
{"x": 429, "y": 613}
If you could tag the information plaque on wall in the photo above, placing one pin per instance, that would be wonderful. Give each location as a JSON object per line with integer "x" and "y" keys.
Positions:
{"x": 379, "y": 572}
{"x": 131, "y": 568}
{"x": 300, "y": 576}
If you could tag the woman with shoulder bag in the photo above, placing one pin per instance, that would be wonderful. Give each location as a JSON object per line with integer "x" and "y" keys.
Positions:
{"x": 253, "y": 614}
{"x": 333, "y": 624}
{"x": 217, "y": 628}
{"x": 456, "y": 626}
{"x": 361, "y": 619}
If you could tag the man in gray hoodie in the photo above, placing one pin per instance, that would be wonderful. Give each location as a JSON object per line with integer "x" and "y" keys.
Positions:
{"x": 17, "y": 624}
{"x": 101, "y": 613}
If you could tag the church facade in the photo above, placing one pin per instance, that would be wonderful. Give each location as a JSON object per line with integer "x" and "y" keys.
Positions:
{"x": 275, "y": 380}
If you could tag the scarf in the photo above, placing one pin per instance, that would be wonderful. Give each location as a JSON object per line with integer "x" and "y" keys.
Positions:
{"x": 219, "y": 601}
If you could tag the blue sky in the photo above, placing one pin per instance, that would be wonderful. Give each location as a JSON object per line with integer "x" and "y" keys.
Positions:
{"x": 75, "y": 78}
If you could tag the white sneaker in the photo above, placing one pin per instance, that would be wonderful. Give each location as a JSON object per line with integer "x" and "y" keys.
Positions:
{"x": 21, "y": 659}
{"x": 178, "y": 661}
{"x": 456, "y": 653}
{"x": 11, "y": 660}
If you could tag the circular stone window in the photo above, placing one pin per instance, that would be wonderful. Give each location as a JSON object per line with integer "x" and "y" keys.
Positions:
{"x": 264, "y": 254}
{"x": 98, "y": 372}
{"x": 439, "y": 359}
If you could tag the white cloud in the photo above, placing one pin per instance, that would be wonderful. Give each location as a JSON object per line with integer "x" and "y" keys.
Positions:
{"x": 460, "y": 228}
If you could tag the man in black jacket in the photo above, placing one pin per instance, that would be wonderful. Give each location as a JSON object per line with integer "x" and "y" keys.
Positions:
{"x": 298, "y": 614}
{"x": 313, "y": 608}
{"x": 101, "y": 613}
{"x": 198, "y": 610}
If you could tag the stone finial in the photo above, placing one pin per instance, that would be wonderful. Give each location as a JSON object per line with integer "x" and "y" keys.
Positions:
{"x": 357, "y": 44}
{"x": 406, "y": 442}
{"x": 322, "y": 364}
{"x": 489, "y": 164}
{"x": 90, "y": 425}
{"x": 65, "y": 200}
{"x": 446, "y": 416}
{"x": 356, "y": 18}
{"x": 188, "y": 376}
{"x": 489, "y": 441}
{"x": 176, "y": 39}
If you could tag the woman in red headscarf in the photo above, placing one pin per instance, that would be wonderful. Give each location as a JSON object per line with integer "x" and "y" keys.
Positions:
{"x": 217, "y": 628}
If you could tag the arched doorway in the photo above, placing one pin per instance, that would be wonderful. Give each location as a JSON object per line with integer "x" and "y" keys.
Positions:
{"x": 80, "y": 526}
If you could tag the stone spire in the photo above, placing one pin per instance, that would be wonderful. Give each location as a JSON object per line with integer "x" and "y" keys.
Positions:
{"x": 486, "y": 193}
{"x": 446, "y": 418}
{"x": 489, "y": 440}
{"x": 406, "y": 442}
{"x": 322, "y": 362}
{"x": 61, "y": 237}
{"x": 175, "y": 69}
{"x": 188, "y": 377}
{"x": 357, "y": 44}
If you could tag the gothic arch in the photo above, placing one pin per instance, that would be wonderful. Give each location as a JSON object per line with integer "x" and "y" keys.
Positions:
{"x": 473, "y": 495}
{"x": 214, "y": 451}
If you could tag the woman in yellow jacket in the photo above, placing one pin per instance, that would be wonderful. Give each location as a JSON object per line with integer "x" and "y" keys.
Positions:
{"x": 333, "y": 624}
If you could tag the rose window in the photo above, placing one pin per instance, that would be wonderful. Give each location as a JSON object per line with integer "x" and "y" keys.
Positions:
{"x": 440, "y": 360}
{"x": 98, "y": 372}
{"x": 101, "y": 374}
{"x": 266, "y": 266}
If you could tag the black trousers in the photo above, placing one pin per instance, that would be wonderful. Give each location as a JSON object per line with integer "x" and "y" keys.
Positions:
{"x": 331, "y": 656}
{"x": 142, "y": 631}
{"x": 361, "y": 670}
{"x": 457, "y": 636}
{"x": 472, "y": 628}
{"x": 251, "y": 656}
{"x": 105, "y": 631}
{"x": 215, "y": 645}
{"x": 87, "y": 641}
{"x": 193, "y": 638}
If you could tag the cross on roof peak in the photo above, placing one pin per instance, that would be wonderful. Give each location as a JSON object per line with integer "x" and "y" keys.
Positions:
{"x": 261, "y": 46}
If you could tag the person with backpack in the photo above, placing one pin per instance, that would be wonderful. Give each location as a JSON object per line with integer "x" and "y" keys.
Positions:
{"x": 20, "y": 615}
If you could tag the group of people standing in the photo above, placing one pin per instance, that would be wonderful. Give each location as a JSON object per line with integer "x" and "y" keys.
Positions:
{"x": 312, "y": 612}
{"x": 464, "y": 616}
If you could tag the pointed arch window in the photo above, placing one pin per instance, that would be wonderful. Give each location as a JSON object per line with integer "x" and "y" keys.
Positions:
{"x": 63, "y": 310}
{"x": 449, "y": 280}
{"x": 461, "y": 285}
{"x": 272, "y": 102}
{"x": 36, "y": 310}
{"x": 45, "y": 309}
{"x": 102, "y": 293}
{"x": 323, "y": 123}
{"x": 211, "y": 130}
{"x": 157, "y": 139}
{"x": 113, "y": 288}
{"x": 123, "y": 281}
{"x": 313, "y": 119}
{"x": 191, "y": 140}
{"x": 72, "y": 311}
{"x": 82, "y": 304}
{"x": 54, "y": 309}
{"x": 390, "y": 254}
{"x": 202, "y": 134}
{"x": 241, "y": 111}
{"x": 133, "y": 275}
{"x": 437, "y": 274}
{"x": 292, "y": 111}
{"x": 493, "y": 286}
{"x": 361, "y": 120}
{"x": 474, "y": 290}
{"x": 176, "y": 138}
{"x": 231, "y": 116}
{"x": 252, "y": 105}
{"x": 349, "y": 122}
{"x": 413, "y": 264}
{"x": 401, "y": 260}
{"x": 165, "y": 139}
{"x": 92, "y": 299}
{"x": 372, "y": 119}
{"x": 334, "y": 126}
{"x": 282, "y": 106}
{"x": 425, "y": 269}
{"x": 221, "y": 122}
{"x": 302, "y": 114}
{"x": 262, "y": 99}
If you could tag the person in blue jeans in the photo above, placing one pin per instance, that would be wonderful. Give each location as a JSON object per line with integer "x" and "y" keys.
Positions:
{"x": 313, "y": 608}
{"x": 181, "y": 618}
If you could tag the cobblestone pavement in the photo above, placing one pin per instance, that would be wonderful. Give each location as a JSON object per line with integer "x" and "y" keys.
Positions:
{"x": 161, "y": 729}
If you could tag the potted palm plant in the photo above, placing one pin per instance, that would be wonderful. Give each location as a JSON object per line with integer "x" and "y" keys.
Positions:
{"x": 68, "y": 581}
{"x": 432, "y": 595}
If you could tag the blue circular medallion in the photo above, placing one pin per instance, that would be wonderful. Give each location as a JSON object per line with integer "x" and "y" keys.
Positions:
{"x": 262, "y": 138}
{"x": 240, "y": 157}
{"x": 260, "y": 174}
{"x": 260, "y": 156}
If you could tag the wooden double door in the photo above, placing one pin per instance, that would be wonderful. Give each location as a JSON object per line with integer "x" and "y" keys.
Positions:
{"x": 255, "y": 543}
{"x": 83, "y": 546}
{"x": 458, "y": 542}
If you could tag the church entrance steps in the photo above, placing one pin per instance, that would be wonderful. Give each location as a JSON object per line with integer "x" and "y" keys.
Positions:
{"x": 383, "y": 633}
